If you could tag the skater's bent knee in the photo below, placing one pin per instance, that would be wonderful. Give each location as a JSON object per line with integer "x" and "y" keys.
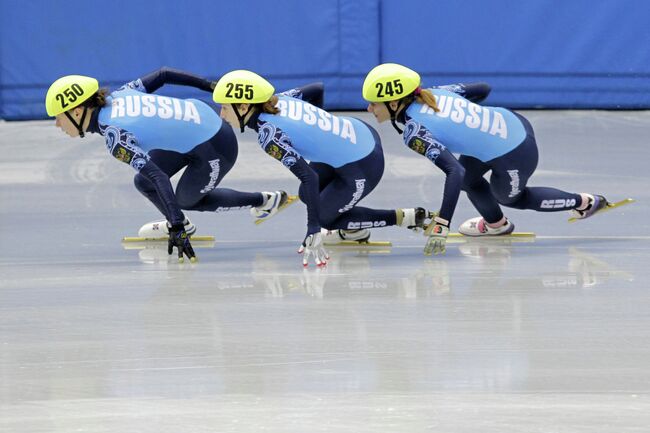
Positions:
{"x": 516, "y": 202}
{"x": 142, "y": 183}
{"x": 187, "y": 201}
{"x": 327, "y": 220}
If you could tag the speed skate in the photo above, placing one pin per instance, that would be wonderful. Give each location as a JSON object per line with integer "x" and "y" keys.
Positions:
{"x": 193, "y": 238}
{"x": 460, "y": 236}
{"x": 360, "y": 244}
{"x": 609, "y": 206}
{"x": 517, "y": 235}
{"x": 351, "y": 238}
{"x": 290, "y": 199}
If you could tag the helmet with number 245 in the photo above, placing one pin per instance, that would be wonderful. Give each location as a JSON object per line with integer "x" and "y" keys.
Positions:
{"x": 389, "y": 82}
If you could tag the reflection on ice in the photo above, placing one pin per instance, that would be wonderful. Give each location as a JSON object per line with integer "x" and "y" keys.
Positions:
{"x": 363, "y": 270}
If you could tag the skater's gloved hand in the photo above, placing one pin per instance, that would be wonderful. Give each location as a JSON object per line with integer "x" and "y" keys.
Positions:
{"x": 179, "y": 239}
{"x": 437, "y": 232}
{"x": 313, "y": 246}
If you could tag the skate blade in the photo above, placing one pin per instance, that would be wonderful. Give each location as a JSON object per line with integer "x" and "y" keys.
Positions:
{"x": 158, "y": 245}
{"x": 355, "y": 244}
{"x": 492, "y": 240}
{"x": 609, "y": 206}
{"x": 523, "y": 235}
{"x": 290, "y": 200}
{"x": 129, "y": 239}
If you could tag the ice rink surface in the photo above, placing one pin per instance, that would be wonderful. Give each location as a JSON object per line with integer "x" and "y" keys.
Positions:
{"x": 545, "y": 336}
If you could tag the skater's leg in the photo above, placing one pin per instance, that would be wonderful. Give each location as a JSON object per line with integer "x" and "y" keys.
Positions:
{"x": 209, "y": 164}
{"x": 478, "y": 189}
{"x": 351, "y": 183}
{"x": 170, "y": 163}
{"x": 326, "y": 173}
{"x": 510, "y": 175}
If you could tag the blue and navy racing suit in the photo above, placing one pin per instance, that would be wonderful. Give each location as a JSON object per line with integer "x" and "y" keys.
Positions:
{"x": 487, "y": 138}
{"x": 159, "y": 135}
{"x": 476, "y": 92}
{"x": 345, "y": 164}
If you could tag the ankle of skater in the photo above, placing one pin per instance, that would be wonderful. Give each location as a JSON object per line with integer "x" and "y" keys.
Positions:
{"x": 495, "y": 225}
{"x": 586, "y": 202}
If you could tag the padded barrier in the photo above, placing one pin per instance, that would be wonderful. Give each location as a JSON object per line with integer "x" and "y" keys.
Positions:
{"x": 291, "y": 42}
{"x": 535, "y": 54}
{"x": 548, "y": 53}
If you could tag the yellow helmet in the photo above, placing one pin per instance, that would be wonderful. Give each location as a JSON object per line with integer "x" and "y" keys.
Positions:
{"x": 242, "y": 87}
{"x": 69, "y": 92}
{"x": 389, "y": 82}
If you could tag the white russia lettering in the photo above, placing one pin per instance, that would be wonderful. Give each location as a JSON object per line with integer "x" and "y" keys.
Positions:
{"x": 475, "y": 117}
{"x": 152, "y": 105}
{"x": 311, "y": 115}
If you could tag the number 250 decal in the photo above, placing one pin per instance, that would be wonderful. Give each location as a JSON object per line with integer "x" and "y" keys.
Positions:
{"x": 239, "y": 90}
{"x": 389, "y": 88}
{"x": 69, "y": 95}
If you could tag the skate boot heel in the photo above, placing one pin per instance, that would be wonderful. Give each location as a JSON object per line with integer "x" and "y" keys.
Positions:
{"x": 412, "y": 218}
{"x": 333, "y": 237}
{"x": 478, "y": 227}
{"x": 274, "y": 202}
{"x": 596, "y": 204}
{"x": 157, "y": 229}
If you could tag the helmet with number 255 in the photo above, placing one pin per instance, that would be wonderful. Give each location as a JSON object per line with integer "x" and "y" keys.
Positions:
{"x": 242, "y": 87}
{"x": 389, "y": 82}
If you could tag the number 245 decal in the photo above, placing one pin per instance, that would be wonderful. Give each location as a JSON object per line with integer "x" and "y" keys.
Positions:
{"x": 389, "y": 88}
{"x": 239, "y": 90}
{"x": 69, "y": 95}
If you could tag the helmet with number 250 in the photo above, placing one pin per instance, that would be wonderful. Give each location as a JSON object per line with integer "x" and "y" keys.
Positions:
{"x": 69, "y": 92}
{"x": 389, "y": 82}
{"x": 242, "y": 87}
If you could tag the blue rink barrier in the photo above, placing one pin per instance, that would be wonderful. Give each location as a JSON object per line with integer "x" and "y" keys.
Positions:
{"x": 535, "y": 54}
{"x": 550, "y": 53}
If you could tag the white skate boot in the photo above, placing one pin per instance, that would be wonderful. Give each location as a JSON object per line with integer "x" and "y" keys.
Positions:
{"x": 160, "y": 229}
{"x": 273, "y": 202}
{"x": 596, "y": 203}
{"x": 412, "y": 218}
{"x": 333, "y": 237}
{"x": 478, "y": 227}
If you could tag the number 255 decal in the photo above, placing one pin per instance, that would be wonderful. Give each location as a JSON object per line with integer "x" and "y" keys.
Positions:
{"x": 239, "y": 90}
{"x": 389, "y": 88}
{"x": 69, "y": 95}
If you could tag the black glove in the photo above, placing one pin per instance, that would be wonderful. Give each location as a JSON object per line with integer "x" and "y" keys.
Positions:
{"x": 179, "y": 239}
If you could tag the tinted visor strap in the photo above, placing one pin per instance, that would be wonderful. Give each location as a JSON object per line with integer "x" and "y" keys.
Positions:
{"x": 81, "y": 122}
{"x": 240, "y": 117}
{"x": 393, "y": 114}
{"x": 79, "y": 126}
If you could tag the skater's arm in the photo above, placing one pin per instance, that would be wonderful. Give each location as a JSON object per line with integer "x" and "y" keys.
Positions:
{"x": 123, "y": 146}
{"x": 165, "y": 191}
{"x": 474, "y": 92}
{"x": 312, "y": 245}
{"x": 455, "y": 173}
{"x": 155, "y": 80}
{"x": 312, "y": 93}
{"x": 310, "y": 196}
{"x": 420, "y": 140}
